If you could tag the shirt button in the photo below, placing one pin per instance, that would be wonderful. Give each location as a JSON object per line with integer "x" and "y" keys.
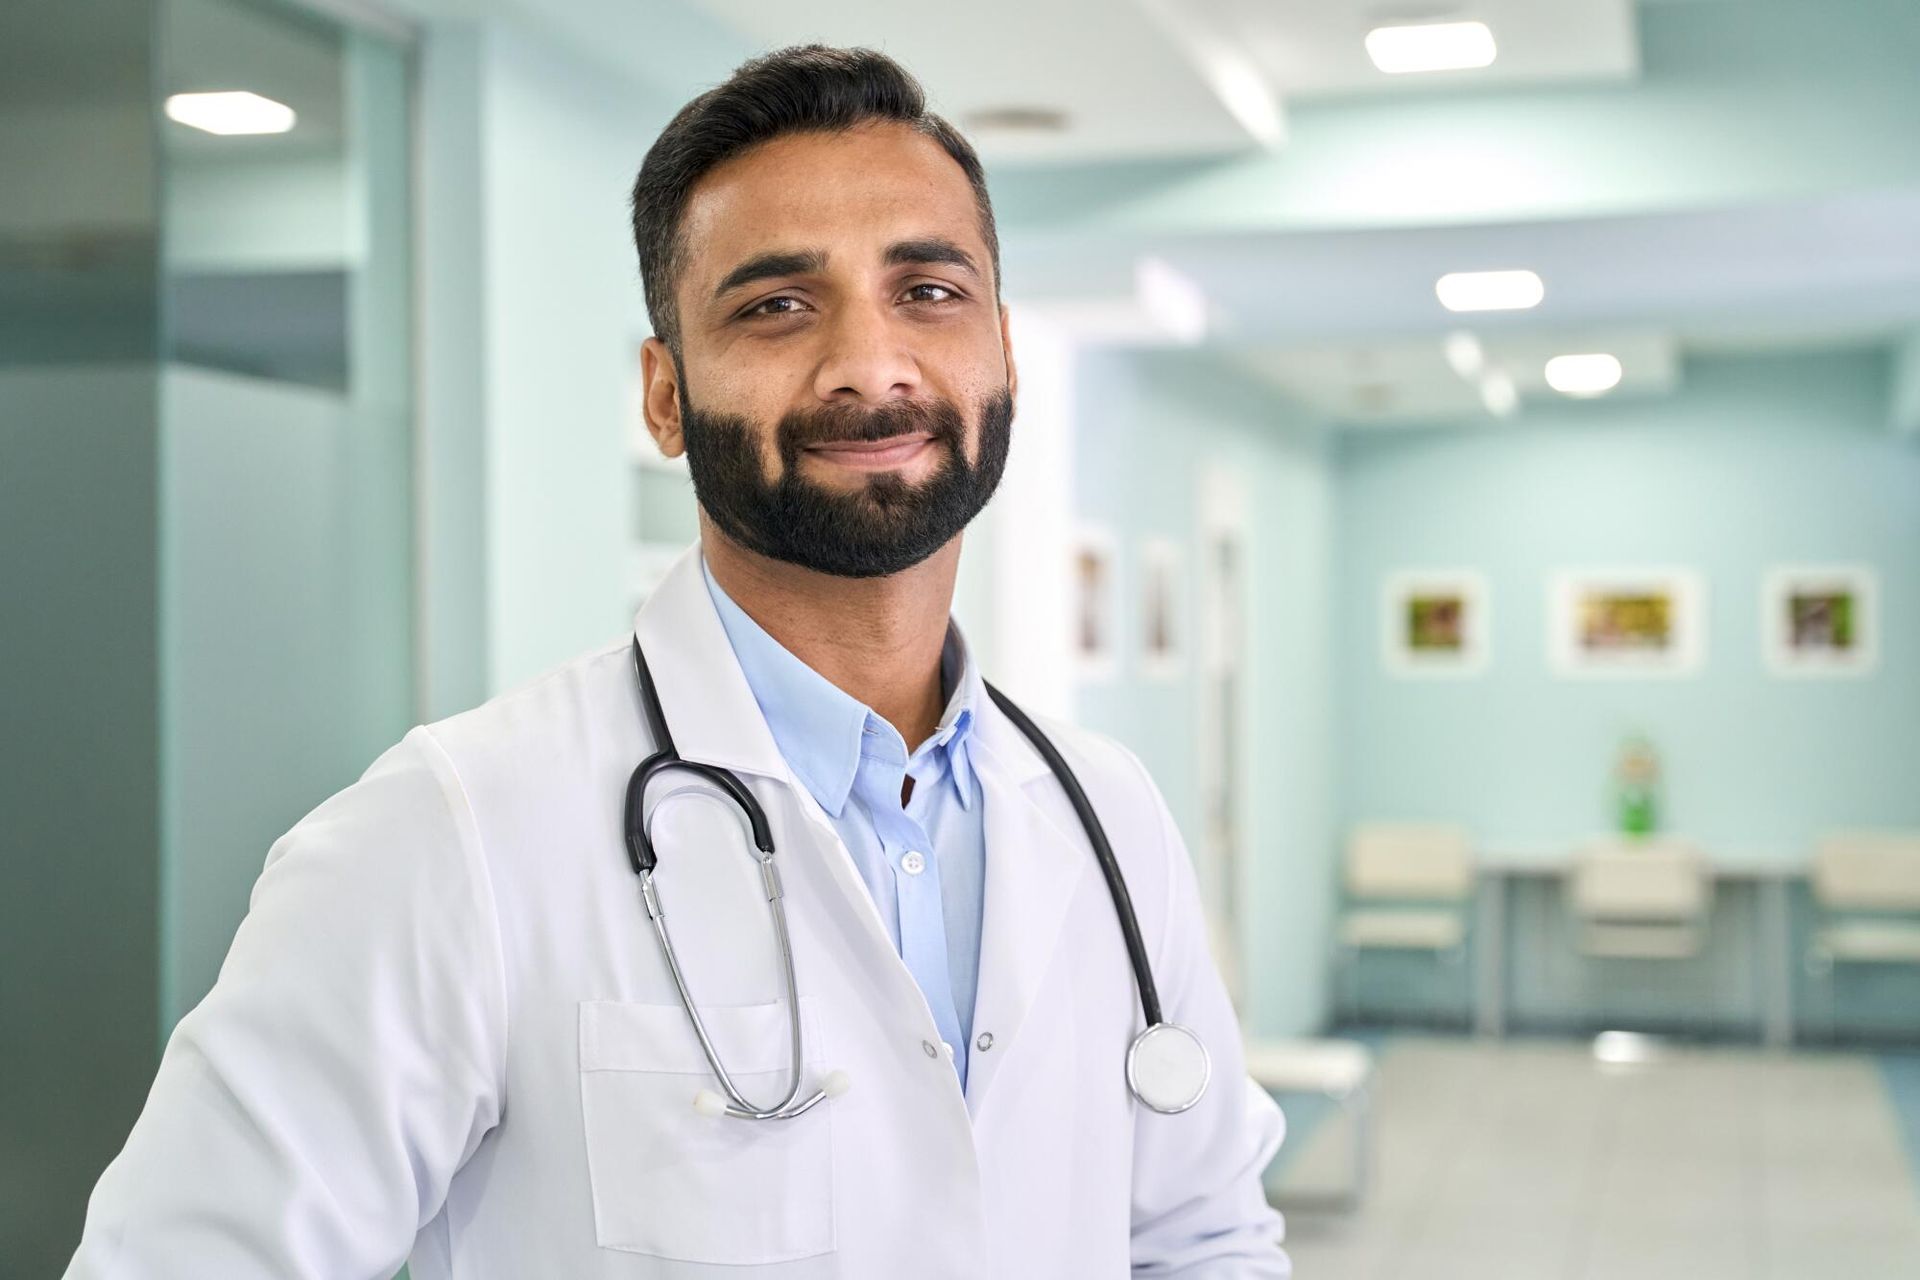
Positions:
{"x": 928, "y": 1046}
{"x": 946, "y": 1048}
{"x": 914, "y": 863}
{"x": 985, "y": 1042}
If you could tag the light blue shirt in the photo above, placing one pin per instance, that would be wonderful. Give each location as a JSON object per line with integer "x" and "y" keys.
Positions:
{"x": 924, "y": 862}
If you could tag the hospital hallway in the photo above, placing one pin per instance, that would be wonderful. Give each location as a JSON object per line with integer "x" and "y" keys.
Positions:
{"x": 1533, "y": 1160}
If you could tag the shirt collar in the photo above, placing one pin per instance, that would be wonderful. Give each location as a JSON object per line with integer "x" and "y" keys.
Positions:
{"x": 819, "y": 727}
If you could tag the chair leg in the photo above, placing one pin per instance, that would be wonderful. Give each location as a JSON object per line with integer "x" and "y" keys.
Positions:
{"x": 1361, "y": 1102}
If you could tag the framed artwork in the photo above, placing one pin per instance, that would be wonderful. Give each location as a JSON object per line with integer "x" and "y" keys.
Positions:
{"x": 1626, "y": 622}
{"x": 1096, "y": 603}
{"x": 1434, "y": 622}
{"x": 1820, "y": 620}
{"x": 1162, "y": 618}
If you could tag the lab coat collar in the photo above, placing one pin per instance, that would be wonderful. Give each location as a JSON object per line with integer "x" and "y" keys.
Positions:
{"x": 709, "y": 706}
{"x": 711, "y": 710}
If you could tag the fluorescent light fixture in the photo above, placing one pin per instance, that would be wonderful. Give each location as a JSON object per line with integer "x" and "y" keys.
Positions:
{"x": 1591, "y": 374}
{"x": 1489, "y": 290}
{"x": 237, "y": 112}
{"x": 1499, "y": 394}
{"x": 1465, "y": 355}
{"x": 1431, "y": 46}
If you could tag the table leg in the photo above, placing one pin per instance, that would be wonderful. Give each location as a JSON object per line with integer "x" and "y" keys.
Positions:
{"x": 1776, "y": 962}
{"x": 1490, "y": 956}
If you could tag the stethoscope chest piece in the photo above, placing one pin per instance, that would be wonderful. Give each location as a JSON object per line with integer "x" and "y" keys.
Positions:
{"x": 1168, "y": 1067}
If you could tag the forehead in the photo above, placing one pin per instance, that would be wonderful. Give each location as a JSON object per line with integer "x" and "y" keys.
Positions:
{"x": 854, "y": 191}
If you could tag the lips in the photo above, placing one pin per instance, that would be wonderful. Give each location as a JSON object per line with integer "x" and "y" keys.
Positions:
{"x": 891, "y": 451}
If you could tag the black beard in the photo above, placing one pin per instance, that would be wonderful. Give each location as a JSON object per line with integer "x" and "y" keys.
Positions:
{"x": 880, "y": 528}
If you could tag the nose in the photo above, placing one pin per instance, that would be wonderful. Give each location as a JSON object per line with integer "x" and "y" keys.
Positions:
{"x": 867, "y": 358}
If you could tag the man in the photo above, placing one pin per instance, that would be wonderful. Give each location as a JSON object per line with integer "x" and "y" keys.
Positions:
{"x": 447, "y": 1027}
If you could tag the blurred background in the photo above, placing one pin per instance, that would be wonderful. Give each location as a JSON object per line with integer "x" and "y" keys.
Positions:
{"x": 1470, "y": 451}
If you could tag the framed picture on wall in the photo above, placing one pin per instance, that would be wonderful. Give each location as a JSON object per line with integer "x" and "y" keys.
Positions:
{"x": 1162, "y": 618}
{"x": 1626, "y": 622}
{"x": 1434, "y": 622}
{"x": 1820, "y": 620}
{"x": 1096, "y": 603}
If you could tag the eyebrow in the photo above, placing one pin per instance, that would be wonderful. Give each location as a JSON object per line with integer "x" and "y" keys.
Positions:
{"x": 930, "y": 249}
{"x": 794, "y": 262}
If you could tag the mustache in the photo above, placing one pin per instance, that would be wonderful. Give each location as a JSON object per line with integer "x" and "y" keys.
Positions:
{"x": 853, "y": 424}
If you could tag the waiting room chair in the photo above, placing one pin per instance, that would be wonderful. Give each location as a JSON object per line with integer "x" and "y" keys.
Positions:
{"x": 1643, "y": 899}
{"x": 1408, "y": 888}
{"x": 1866, "y": 887}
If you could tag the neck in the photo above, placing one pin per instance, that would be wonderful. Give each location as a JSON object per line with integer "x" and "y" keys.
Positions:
{"x": 876, "y": 639}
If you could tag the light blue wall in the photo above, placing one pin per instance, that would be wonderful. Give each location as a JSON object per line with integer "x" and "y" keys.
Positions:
{"x": 531, "y": 307}
{"x": 1145, "y": 426}
{"x": 1755, "y": 461}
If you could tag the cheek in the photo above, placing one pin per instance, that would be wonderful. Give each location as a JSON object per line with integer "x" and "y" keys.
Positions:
{"x": 727, "y": 392}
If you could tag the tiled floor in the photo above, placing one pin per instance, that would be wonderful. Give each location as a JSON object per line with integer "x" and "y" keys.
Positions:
{"x": 1530, "y": 1160}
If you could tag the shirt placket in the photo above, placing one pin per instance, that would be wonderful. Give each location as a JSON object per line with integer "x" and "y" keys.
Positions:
{"x": 916, "y": 880}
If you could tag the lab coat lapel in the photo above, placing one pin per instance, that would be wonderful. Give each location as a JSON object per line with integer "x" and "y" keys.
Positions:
{"x": 714, "y": 719}
{"x": 1034, "y": 870}
{"x": 709, "y": 705}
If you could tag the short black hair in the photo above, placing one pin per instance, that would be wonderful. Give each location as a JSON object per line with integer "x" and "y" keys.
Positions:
{"x": 811, "y": 88}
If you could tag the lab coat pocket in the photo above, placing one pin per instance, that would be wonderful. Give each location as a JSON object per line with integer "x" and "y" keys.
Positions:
{"x": 672, "y": 1183}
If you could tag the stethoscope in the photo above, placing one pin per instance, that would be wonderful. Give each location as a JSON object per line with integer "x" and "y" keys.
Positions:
{"x": 1167, "y": 1065}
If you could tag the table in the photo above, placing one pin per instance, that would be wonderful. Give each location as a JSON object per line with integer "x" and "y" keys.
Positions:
{"x": 1773, "y": 950}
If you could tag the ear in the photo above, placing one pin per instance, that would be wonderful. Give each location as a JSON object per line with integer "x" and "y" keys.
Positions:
{"x": 660, "y": 378}
{"x": 1006, "y": 352}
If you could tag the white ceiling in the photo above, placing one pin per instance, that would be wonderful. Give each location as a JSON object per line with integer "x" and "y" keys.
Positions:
{"x": 1140, "y": 78}
{"x": 1125, "y": 88}
{"x": 1314, "y": 48}
{"x": 1326, "y": 314}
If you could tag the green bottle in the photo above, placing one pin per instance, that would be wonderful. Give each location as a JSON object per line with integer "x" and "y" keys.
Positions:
{"x": 1636, "y": 787}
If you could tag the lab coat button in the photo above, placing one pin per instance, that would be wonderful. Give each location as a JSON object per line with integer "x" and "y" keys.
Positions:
{"x": 928, "y": 1046}
{"x": 914, "y": 863}
{"x": 985, "y": 1042}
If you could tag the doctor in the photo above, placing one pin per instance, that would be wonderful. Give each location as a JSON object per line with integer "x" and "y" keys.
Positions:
{"x": 448, "y": 1027}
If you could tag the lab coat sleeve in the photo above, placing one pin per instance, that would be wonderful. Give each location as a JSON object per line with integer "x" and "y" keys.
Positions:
{"x": 1199, "y": 1208}
{"x": 310, "y": 1112}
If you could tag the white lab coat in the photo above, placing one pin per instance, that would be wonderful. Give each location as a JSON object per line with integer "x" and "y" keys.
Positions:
{"x": 445, "y": 1028}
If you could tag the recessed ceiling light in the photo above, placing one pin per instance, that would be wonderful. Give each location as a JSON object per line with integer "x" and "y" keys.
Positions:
{"x": 1465, "y": 355}
{"x": 1174, "y": 300}
{"x": 1489, "y": 290}
{"x": 1591, "y": 374}
{"x": 230, "y": 113}
{"x": 1431, "y": 46}
{"x": 1499, "y": 394}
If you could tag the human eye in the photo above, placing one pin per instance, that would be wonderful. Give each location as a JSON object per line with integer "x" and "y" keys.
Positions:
{"x": 948, "y": 294}
{"x": 770, "y": 307}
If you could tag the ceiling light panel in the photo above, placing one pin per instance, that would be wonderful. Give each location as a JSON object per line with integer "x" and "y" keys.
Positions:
{"x": 230, "y": 113}
{"x": 1585, "y": 375}
{"x": 1431, "y": 46}
{"x": 1489, "y": 290}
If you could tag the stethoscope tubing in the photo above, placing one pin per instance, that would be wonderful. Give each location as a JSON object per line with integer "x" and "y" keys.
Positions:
{"x": 644, "y": 860}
